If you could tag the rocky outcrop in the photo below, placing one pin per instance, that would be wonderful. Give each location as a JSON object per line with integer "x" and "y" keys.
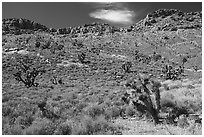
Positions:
{"x": 173, "y": 19}
{"x": 99, "y": 28}
{"x": 151, "y": 18}
{"x": 19, "y": 26}
{"x": 164, "y": 13}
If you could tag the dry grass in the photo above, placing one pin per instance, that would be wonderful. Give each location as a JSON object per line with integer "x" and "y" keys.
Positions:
{"x": 187, "y": 94}
{"x": 135, "y": 127}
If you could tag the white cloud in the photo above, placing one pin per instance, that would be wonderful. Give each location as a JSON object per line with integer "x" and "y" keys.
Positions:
{"x": 115, "y": 16}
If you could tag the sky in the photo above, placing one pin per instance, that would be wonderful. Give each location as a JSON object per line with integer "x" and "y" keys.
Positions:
{"x": 66, "y": 14}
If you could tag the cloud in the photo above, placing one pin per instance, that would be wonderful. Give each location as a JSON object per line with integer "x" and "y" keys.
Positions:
{"x": 114, "y": 15}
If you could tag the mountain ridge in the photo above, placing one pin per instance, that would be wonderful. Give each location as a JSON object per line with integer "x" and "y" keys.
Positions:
{"x": 19, "y": 25}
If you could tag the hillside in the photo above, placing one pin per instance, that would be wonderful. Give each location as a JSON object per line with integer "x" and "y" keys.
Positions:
{"x": 72, "y": 80}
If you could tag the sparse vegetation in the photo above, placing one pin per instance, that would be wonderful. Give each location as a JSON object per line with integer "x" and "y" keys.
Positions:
{"x": 101, "y": 80}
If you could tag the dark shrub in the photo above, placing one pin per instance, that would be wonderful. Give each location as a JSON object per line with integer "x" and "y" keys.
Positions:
{"x": 64, "y": 129}
{"x": 81, "y": 57}
{"x": 46, "y": 45}
{"x": 37, "y": 44}
{"x": 127, "y": 66}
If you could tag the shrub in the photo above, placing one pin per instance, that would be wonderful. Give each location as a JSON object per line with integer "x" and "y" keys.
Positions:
{"x": 130, "y": 111}
{"x": 112, "y": 112}
{"x": 7, "y": 110}
{"x": 18, "y": 113}
{"x": 95, "y": 50}
{"x": 102, "y": 126}
{"x": 25, "y": 121}
{"x": 94, "y": 110}
{"x": 127, "y": 66}
{"x": 46, "y": 45}
{"x": 8, "y": 129}
{"x": 169, "y": 72}
{"x": 41, "y": 127}
{"x": 78, "y": 44}
{"x": 12, "y": 129}
{"x": 81, "y": 57}
{"x": 55, "y": 47}
{"x": 79, "y": 129}
{"x": 81, "y": 106}
{"x": 37, "y": 44}
{"x": 64, "y": 128}
{"x": 89, "y": 126}
{"x": 156, "y": 56}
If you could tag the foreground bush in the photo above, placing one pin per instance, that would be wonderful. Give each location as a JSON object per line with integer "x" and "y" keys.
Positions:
{"x": 41, "y": 127}
{"x": 64, "y": 128}
{"x": 89, "y": 126}
{"x": 112, "y": 112}
{"x": 130, "y": 111}
{"x": 94, "y": 110}
{"x": 8, "y": 129}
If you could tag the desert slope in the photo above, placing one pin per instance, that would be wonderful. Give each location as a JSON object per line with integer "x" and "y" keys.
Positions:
{"x": 71, "y": 80}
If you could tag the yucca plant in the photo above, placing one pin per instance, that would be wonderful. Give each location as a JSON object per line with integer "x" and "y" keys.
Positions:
{"x": 82, "y": 57}
{"x": 127, "y": 67}
{"x": 27, "y": 68}
{"x": 141, "y": 98}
